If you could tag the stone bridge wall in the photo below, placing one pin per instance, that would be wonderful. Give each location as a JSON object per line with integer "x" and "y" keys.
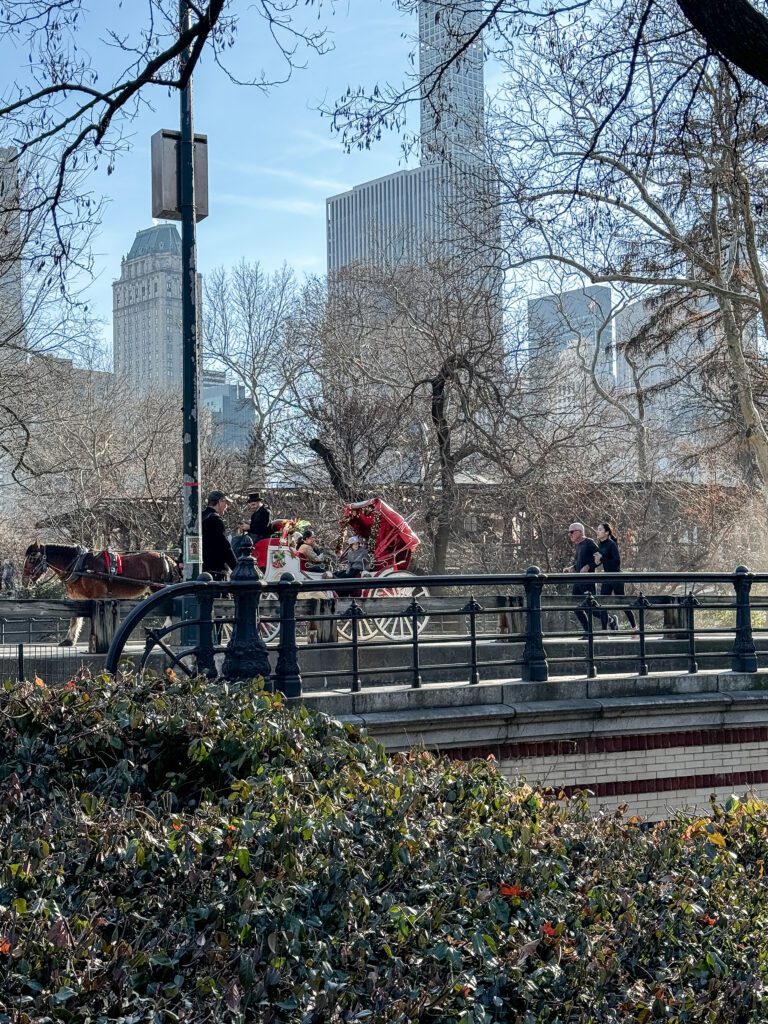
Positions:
{"x": 655, "y": 744}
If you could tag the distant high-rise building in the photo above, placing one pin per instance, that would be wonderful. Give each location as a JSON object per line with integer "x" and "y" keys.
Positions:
{"x": 230, "y": 409}
{"x": 452, "y": 91}
{"x": 403, "y": 218}
{"x": 580, "y": 319}
{"x": 432, "y": 210}
{"x": 12, "y": 332}
{"x": 146, "y": 311}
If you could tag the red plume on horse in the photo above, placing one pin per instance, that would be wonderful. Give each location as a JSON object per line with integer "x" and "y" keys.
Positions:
{"x": 87, "y": 575}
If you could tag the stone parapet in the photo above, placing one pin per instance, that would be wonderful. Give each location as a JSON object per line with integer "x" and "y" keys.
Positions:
{"x": 654, "y": 743}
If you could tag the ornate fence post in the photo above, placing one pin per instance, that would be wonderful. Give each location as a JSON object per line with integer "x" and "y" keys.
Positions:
{"x": 354, "y": 614}
{"x": 590, "y": 603}
{"x": 690, "y": 605}
{"x": 471, "y": 609}
{"x": 246, "y": 656}
{"x": 413, "y": 611}
{"x": 534, "y": 668}
{"x": 744, "y": 655}
{"x": 642, "y": 604}
{"x": 287, "y": 672}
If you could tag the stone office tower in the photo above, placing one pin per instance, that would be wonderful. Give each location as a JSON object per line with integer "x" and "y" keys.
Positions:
{"x": 146, "y": 311}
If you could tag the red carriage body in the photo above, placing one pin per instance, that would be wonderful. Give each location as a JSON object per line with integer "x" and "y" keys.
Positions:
{"x": 391, "y": 541}
{"x": 281, "y": 528}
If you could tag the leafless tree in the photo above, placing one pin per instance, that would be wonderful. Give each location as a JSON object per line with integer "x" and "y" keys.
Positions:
{"x": 665, "y": 203}
{"x": 101, "y": 464}
{"x": 733, "y": 30}
{"x": 425, "y": 345}
{"x": 73, "y": 108}
{"x": 249, "y": 331}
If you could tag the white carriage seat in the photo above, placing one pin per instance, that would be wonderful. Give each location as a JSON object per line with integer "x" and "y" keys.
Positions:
{"x": 281, "y": 559}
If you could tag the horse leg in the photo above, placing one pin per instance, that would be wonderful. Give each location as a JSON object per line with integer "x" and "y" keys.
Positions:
{"x": 75, "y": 625}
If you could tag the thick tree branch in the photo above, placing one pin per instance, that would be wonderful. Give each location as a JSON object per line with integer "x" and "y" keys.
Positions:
{"x": 735, "y": 30}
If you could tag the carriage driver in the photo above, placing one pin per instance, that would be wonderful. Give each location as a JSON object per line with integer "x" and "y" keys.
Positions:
{"x": 218, "y": 556}
{"x": 260, "y": 525}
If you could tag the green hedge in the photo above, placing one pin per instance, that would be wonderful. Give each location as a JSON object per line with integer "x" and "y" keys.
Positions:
{"x": 175, "y": 851}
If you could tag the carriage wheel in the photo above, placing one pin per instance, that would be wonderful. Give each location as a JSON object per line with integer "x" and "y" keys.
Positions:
{"x": 399, "y": 628}
{"x": 366, "y": 628}
{"x": 268, "y": 631}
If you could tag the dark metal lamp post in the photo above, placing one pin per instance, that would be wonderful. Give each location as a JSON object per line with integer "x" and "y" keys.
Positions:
{"x": 180, "y": 192}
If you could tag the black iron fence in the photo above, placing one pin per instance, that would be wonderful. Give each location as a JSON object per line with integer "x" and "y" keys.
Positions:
{"x": 411, "y": 630}
{"x": 46, "y": 663}
{"x": 32, "y": 629}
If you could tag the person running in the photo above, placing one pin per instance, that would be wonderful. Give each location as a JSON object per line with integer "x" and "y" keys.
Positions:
{"x": 584, "y": 553}
{"x": 609, "y": 556}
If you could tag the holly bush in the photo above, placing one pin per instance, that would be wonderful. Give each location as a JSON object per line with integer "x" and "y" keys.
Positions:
{"x": 174, "y": 850}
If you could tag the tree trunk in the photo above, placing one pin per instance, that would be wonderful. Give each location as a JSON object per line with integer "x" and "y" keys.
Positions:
{"x": 641, "y": 437}
{"x": 734, "y": 29}
{"x": 256, "y": 460}
{"x": 752, "y": 423}
{"x": 339, "y": 482}
{"x": 440, "y": 541}
{"x": 448, "y": 492}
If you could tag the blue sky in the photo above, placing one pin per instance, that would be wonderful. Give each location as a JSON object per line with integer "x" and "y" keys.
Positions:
{"x": 272, "y": 158}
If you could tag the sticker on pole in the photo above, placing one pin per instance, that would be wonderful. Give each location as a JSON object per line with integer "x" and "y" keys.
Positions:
{"x": 191, "y": 549}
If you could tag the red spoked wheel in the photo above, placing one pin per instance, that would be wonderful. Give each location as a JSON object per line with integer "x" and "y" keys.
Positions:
{"x": 401, "y": 627}
{"x": 366, "y": 628}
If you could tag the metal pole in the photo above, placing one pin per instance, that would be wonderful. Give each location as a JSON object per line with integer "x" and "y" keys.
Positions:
{"x": 191, "y": 535}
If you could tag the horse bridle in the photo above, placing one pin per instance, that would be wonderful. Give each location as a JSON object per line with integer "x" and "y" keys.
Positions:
{"x": 41, "y": 566}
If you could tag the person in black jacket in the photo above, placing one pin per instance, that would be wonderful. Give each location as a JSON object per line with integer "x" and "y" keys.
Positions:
{"x": 609, "y": 557}
{"x": 260, "y": 525}
{"x": 584, "y": 553}
{"x": 218, "y": 556}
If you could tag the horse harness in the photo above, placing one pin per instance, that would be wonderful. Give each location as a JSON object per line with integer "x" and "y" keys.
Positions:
{"x": 114, "y": 564}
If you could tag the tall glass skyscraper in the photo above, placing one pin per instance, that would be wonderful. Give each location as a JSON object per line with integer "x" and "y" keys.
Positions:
{"x": 436, "y": 208}
{"x": 452, "y": 91}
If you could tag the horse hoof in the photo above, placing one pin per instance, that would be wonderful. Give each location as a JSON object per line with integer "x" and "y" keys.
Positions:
{"x": 65, "y": 643}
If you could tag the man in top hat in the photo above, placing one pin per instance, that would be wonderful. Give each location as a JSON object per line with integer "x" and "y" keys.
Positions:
{"x": 260, "y": 525}
{"x": 218, "y": 556}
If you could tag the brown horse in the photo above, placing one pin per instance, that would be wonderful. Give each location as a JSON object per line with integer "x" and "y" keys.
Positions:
{"x": 86, "y": 576}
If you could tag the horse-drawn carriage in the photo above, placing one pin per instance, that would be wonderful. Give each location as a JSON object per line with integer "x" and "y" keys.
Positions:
{"x": 390, "y": 542}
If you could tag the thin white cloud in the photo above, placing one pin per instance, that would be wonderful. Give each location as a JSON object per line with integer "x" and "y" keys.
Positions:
{"x": 327, "y": 185}
{"x": 297, "y": 207}
{"x": 311, "y": 143}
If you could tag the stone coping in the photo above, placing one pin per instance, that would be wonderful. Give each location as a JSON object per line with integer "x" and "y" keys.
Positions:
{"x": 460, "y": 715}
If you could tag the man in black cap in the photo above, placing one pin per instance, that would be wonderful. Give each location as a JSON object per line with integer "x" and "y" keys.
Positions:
{"x": 260, "y": 525}
{"x": 218, "y": 556}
